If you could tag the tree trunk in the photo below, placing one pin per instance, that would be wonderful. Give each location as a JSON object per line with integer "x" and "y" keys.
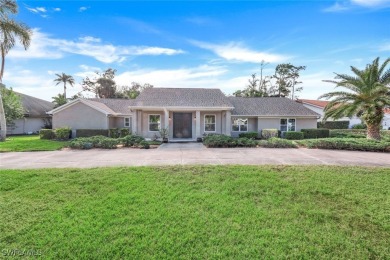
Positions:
{"x": 3, "y": 122}
{"x": 65, "y": 90}
{"x": 373, "y": 132}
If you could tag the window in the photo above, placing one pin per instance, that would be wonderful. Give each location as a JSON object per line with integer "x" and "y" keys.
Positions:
{"x": 240, "y": 125}
{"x": 209, "y": 123}
{"x": 287, "y": 125}
{"x": 154, "y": 123}
{"x": 127, "y": 121}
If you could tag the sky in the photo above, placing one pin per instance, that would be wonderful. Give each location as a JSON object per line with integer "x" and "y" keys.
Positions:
{"x": 200, "y": 44}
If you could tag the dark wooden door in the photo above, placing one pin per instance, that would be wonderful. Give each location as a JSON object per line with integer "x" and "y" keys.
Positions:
{"x": 182, "y": 125}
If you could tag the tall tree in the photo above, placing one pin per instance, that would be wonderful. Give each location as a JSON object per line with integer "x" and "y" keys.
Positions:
{"x": 286, "y": 76}
{"x": 10, "y": 30}
{"x": 59, "y": 100}
{"x": 135, "y": 89}
{"x": 64, "y": 78}
{"x": 367, "y": 94}
{"x": 102, "y": 85}
{"x": 13, "y": 108}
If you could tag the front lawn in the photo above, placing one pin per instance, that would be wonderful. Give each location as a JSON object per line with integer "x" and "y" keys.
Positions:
{"x": 243, "y": 212}
{"x": 28, "y": 143}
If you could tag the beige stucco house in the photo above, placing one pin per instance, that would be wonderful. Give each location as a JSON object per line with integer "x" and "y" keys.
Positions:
{"x": 188, "y": 113}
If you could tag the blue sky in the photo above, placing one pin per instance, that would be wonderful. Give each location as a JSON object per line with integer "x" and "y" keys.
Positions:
{"x": 196, "y": 44}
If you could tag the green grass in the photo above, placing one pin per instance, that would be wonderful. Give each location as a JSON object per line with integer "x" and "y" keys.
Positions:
{"x": 30, "y": 143}
{"x": 243, "y": 212}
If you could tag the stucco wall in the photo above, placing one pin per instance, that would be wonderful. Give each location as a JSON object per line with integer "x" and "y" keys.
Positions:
{"x": 119, "y": 122}
{"x": 304, "y": 123}
{"x": 252, "y": 126}
{"x": 274, "y": 123}
{"x": 143, "y": 122}
{"x": 80, "y": 116}
{"x": 26, "y": 125}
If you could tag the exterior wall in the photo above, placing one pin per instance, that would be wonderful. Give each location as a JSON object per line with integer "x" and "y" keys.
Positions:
{"x": 80, "y": 116}
{"x": 218, "y": 122}
{"x": 304, "y": 123}
{"x": 274, "y": 123}
{"x": 252, "y": 126}
{"x": 119, "y": 122}
{"x": 143, "y": 122}
{"x": 386, "y": 122}
{"x": 26, "y": 125}
{"x": 268, "y": 123}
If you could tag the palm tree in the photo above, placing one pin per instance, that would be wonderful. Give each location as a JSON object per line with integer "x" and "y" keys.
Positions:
{"x": 367, "y": 94}
{"x": 59, "y": 100}
{"x": 9, "y": 30}
{"x": 64, "y": 78}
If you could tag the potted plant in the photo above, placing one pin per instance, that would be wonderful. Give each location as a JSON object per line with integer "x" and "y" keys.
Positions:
{"x": 164, "y": 132}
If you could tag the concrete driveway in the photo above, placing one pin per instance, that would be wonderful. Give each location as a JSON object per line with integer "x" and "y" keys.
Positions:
{"x": 189, "y": 154}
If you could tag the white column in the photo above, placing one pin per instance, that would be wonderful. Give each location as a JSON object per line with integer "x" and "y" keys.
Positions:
{"x": 228, "y": 122}
{"x": 197, "y": 122}
{"x": 134, "y": 123}
{"x": 166, "y": 118}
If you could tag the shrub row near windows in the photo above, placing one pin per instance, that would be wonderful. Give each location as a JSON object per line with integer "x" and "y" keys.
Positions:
{"x": 63, "y": 133}
{"x": 224, "y": 141}
{"x": 250, "y": 135}
{"x": 334, "y": 124}
{"x": 108, "y": 143}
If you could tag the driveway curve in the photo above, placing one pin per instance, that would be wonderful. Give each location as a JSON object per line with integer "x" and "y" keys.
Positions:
{"x": 189, "y": 154}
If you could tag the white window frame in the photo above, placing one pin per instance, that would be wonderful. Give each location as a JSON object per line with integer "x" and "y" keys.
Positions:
{"x": 287, "y": 130}
{"x": 239, "y": 126}
{"x": 215, "y": 123}
{"x": 124, "y": 122}
{"x": 159, "y": 124}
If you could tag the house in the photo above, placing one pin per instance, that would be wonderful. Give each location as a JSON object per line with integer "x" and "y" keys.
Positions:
{"x": 188, "y": 113}
{"x": 386, "y": 119}
{"x": 318, "y": 106}
{"x": 35, "y": 116}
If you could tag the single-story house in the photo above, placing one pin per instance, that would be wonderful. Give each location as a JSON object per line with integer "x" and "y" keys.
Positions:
{"x": 318, "y": 106}
{"x": 188, "y": 113}
{"x": 35, "y": 116}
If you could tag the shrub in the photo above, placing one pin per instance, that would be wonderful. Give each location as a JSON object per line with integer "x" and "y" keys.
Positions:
{"x": 131, "y": 140}
{"x": 114, "y": 133}
{"x": 46, "y": 134}
{"x": 95, "y": 141}
{"x": 63, "y": 133}
{"x": 144, "y": 144}
{"x": 348, "y": 133}
{"x": 359, "y": 126}
{"x": 291, "y": 135}
{"x": 315, "y": 133}
{"x": 275, "y": 142}
{"x": 355, "y": 144}
{"x": 269, "y": 133}
{"x": 333, "y": 124}
{"x": 108, "y": 143}
{"x": 91, "y": 132}
{"x": 124, "y": 132}
{"x": 218, "y": 141}
{"x": 250, "y": 135}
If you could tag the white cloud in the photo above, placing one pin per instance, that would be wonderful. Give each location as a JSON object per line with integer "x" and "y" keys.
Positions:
{"x": 83, "y": 8}
{"x": 234, "y": 51}
{"x": 38, "y": 10}
{"x": 384, "y": 47}
{"x": 57, "y": 9}
{"x": 337, "y": 7}
{"x": 341, "y": 6}
{"x": 43, "y": 46}
{"x": 372, "y": 3}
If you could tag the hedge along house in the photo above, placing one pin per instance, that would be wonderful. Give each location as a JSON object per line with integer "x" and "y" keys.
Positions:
{"x": 188, "y": 113}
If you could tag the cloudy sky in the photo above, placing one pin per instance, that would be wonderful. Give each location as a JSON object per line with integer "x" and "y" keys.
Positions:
{"x": 202, "y": 44}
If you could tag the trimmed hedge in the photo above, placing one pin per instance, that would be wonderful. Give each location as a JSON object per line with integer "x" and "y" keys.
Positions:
{"x": 91, "y": 132}
{"x": 355, "y": 133}
{"x": 131, "y": 140}
{"x": 250, "y": 135}
{"x": 277, "y": 143}
{"x": 333, "y": 124}
{"x": 292, "y": 135}
{"x": 63, "y": 133}
{"x": 315, "y": 133}
{"x": 46, "y": 134}
{"x": 269, "y": 133}
{"x": 354, "y": 144}
{"x": 224, "y": 141}
{"x": 94, "y": 142}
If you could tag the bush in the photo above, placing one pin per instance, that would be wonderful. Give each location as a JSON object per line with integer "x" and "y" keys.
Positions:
{"x": 359, "y": 126}
{"x": 250, "y": 135}
{"x": 63, "y": 133}
{"x": 275, "y": 142}
{"x": 348, "y": 133}
{"x": 144, "y": 144}
{"x": 218, "y": 141}
{"x": 355, "y": 144}
{"x": 95, "y": 141}
{"x": 333, "y": 125}
{"x": 269, "y": 133}
{"x": 91, "y": 132}
{"x": 315, "y": 133}
{"x": 124, "y": 132}
{"x": 114, "y": 133}
{"x": 291, "y": 135}
{"x": 46, "y": 134}
{"x": 131, "y": 140}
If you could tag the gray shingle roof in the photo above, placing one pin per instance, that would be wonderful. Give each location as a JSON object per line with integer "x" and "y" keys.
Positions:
{"x": 35, "y": 107}
{"x": 269, "y": 106}
{"x": 182, "y": 97}
{"x": 112, "y": 106}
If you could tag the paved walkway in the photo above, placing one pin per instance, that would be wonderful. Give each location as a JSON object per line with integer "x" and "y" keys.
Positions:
{"x": 189, "y": 154}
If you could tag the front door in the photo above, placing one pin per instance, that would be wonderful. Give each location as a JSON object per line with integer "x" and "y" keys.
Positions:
{"x": 182, "y": 125}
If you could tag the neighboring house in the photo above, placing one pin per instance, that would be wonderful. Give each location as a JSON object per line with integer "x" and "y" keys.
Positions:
{"x": 188, "y": 113}
{"x": 35, "y": 116}
{"x": 386, "y": 119}
{"x": 318, "y": 106}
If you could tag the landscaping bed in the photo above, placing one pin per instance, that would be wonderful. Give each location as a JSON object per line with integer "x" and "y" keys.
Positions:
{"x": 204, "y": 212}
